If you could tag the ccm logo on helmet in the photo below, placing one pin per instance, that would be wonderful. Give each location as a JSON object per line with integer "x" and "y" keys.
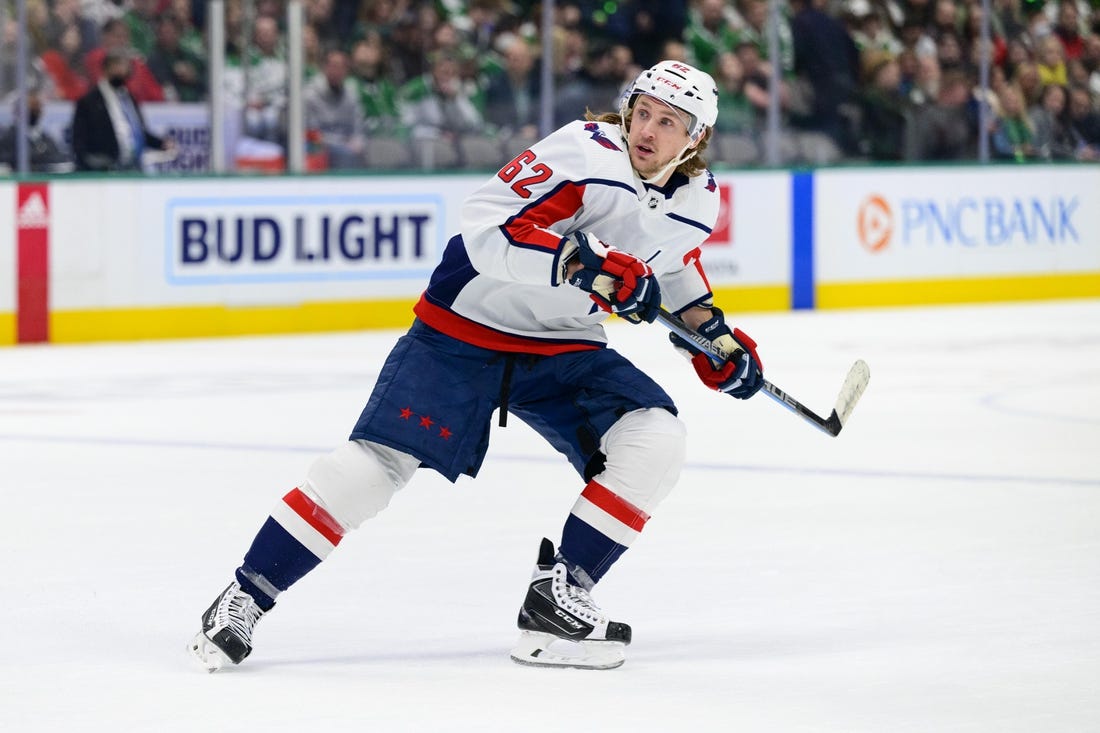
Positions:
{"x": 668, "y": 82}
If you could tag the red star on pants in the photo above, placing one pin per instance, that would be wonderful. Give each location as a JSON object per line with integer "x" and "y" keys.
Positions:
{"x": 426, "y": 422}
{"x": 445, "y": 433}
{"x": 406, "y": 413}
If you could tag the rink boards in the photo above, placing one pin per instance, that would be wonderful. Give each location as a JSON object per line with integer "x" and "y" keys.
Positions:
{"x": 87, "y": 259}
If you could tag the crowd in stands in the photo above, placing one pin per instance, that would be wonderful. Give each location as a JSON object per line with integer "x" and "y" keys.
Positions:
{"x": 443, "y": 83}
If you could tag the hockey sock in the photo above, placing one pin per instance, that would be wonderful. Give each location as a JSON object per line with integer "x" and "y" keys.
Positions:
{"x": 294, "y": 540}
{"x": 599, "y": 529}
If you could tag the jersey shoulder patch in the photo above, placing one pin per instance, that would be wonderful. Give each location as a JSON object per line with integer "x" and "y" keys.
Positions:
{"x": 598, "y": 135}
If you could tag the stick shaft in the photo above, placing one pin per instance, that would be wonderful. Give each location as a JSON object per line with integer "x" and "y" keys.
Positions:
{"x": 830, "y": 425}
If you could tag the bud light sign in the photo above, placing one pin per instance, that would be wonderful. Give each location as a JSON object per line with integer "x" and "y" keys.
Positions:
{"x": 277, "y": 239}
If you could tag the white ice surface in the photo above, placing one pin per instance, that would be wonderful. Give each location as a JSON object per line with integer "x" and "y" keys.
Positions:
{"x": 934, "y": 568}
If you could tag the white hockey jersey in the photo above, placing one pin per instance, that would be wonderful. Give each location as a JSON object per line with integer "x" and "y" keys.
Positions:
{"x": 497, "y": 285}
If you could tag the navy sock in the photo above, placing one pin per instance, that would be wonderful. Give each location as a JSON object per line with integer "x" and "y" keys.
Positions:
{"x": 273, "y": 563}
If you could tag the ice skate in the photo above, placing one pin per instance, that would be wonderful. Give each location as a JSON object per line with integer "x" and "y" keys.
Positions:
{"x": 560, "y": 625}
{"x": 226, "y": 636}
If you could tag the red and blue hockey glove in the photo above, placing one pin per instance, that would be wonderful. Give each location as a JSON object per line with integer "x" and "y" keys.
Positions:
{"x": 619, "y": 282}
{"x": 742, "y": 374}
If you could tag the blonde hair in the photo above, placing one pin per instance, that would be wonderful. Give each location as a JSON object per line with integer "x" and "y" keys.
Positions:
{"x": 693, "y": 166}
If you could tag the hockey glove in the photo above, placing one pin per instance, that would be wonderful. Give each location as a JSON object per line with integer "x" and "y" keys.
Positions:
{"x": 620, "y": 283}
{"x": 742, "y": 374}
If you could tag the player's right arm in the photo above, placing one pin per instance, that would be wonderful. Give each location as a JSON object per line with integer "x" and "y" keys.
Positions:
{"x": 516, "y": 226}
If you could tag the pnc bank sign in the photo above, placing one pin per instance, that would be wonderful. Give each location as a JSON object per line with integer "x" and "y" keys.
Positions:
{"x": 966, "y": 221}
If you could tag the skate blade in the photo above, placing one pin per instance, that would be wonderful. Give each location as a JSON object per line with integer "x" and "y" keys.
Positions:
{"x": 207, "y": 653}
{"x": 536, "y": 649}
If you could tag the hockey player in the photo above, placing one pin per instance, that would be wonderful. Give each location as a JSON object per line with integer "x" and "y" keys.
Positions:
{"x": 603, "y": 216}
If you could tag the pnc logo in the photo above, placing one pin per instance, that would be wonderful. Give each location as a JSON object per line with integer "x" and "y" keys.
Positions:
{"x": 875, "y": 223}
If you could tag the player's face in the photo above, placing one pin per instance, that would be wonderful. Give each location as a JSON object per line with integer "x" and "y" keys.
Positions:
{"x": 658, "y": 134}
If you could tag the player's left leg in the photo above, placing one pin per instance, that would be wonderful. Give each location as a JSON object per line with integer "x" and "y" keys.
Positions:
{"x": 619, "y": 430}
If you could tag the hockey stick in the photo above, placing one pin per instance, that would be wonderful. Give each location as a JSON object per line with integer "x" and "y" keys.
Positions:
{"x": 850, "y": 391}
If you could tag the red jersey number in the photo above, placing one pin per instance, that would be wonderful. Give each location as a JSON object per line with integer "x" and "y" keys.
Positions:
{"x": 534, "y": 174}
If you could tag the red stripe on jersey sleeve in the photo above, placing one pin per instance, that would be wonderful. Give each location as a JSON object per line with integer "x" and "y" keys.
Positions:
{"x": 315, "y": 516}
{"x": 470, "y": 332}
{"x": 529, "y": 227}
{"x": 615, "y": 505}
{"x": 696, "y": 255}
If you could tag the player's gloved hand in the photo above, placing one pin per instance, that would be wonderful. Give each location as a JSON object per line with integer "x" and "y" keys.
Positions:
{"x": 742, "y": 374}
{"x": 619, "y": 282}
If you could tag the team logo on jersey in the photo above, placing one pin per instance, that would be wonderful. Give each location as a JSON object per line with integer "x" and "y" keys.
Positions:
{"x": 598, "y": 136}
{"x": 711, "y": 185}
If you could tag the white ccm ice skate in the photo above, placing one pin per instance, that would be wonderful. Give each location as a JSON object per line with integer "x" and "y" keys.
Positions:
{"x": 560, "y": 625}
{"x": 226, "y": 636}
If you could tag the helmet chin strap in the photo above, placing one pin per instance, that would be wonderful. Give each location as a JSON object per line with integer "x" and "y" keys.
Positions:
{"x": 670, "y": 165}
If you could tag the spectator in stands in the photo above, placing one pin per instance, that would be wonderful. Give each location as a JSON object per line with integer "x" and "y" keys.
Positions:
{"x": 319, "y": 15}
{"x": 596, "y": 85}
{"x": 642, "y": 26}
{"x": 868, "y": 29}
{"x": 1084, "y": 124}
{"x": 440, "y": 105}
{"x": 1051, "y": 61}
{"x": 142, "y": 85}
{"x": 915, "y": 37}
{"x": 1077, "y": 73}
{"x": 181, "y": 74}
{"x": 101, "y": 11}
{"x": 736, "y": 114}
{"x": 757, "y": 78}
{"x": 66, "y": 67}
{"x": 907, "y": 68}
{"x": 1091, "y": 60}
{"x": 332, "y": 110}
{"x": 883, "y": 109}
{"x": 1012, "y": 137}
{"x": 674, "y": 50}
{"x": 570, "y": 47}
{"x": 710, "y": 32}
{"x": 265, "y": 106}
{"x": 191, "y": 35}
{"x": 1068, "y": 29}
{"x": 376, "y": 90}
{"x": 926, "y": 84}
{"x": 141, "y": 19}
{"x": 944, "y": 130}
{"x": 109, "y": 132}
{"x": 826, "y": 57}
{"x": 375, "y": 16}
{"x": 37, "y": 75}
{"x": 43, "y": 152}
{"x": 755, "y": 31}
{"x": 66, "y": 14}
{"x": 512, "y": 94}
{"x": 1053, "y": 139}
{"x": 945, "y": 18}
{"x": 949, "y": 50}
{"x": 972, "y": 32}
{"x": 1027, "y": 78}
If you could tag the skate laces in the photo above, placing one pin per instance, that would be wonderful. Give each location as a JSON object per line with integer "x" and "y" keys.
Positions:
{"x": 573, "y": 597}
{"x": 239, "y": 613}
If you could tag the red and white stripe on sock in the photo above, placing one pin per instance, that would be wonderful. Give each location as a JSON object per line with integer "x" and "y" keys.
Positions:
{"x": 309, "y": 523}
{"x": 609, "y": 514}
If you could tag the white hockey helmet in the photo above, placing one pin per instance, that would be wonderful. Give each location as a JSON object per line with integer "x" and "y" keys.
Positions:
{"x": 681, "y": 86}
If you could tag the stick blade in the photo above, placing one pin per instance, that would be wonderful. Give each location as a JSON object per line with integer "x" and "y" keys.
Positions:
{"x": 850, "y": 392}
